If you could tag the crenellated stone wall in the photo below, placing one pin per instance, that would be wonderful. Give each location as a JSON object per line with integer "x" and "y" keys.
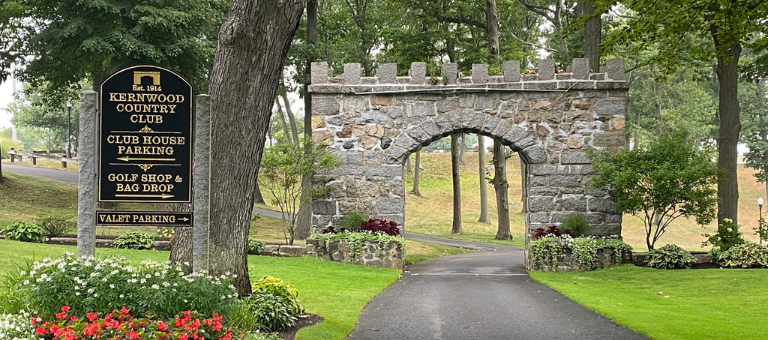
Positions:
{"x": 549, "y": 118}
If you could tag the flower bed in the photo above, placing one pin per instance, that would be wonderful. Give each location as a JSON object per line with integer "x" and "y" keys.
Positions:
{"x": 565, "y": 253}
{"x": 363, "y": 248}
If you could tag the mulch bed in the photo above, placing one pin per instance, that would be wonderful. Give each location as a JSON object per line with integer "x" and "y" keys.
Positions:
{"x": 305, "y": 321}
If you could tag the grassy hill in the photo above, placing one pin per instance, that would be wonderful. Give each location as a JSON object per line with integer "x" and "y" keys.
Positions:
{"x": 431, "y": 214}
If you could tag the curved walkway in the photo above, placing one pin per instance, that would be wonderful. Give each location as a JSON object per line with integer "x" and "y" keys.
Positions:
{"x": 485, "y": 295}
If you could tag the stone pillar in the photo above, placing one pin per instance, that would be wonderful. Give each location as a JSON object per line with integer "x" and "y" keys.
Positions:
{"x": 201, "y": 174}
{"x": 88, "y": 186}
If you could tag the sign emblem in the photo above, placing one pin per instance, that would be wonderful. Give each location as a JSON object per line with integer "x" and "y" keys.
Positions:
{"x": 145, "y": 137}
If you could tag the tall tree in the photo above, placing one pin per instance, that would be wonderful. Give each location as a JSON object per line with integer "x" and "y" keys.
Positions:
{"x": 592, "y": 33}
{"x": 253, "y": 43}
{"x": 728, "y": 25}
{"x": 502, "y": 188}
{"x": 481, "y": 166}
{"x": 70, "y": 40}
{"x": 456, "y": 227}
{"x": 416, "y": 174}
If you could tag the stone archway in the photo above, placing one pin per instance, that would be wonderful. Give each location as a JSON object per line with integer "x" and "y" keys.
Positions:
{"x": 550, "y": 119}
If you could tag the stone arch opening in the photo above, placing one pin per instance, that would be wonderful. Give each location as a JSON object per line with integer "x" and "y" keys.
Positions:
{"x": 550, "y": 119}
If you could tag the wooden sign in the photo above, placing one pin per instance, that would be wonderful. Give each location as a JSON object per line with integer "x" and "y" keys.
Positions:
{"x": 145, "y": 137}
{"x": 144, "y": 218}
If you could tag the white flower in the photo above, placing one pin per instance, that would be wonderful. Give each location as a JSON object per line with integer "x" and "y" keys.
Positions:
{"x": 112, "y": 286}
{"x": 77, "y": 293}
{"x": 26, "y": 282}
{"x": 155, "y": 286}
{"x": 122, "y": 296}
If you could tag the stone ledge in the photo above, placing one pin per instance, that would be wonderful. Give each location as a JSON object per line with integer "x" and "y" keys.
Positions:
{"x": 606, "y": 256}
{"x": 372, "y": 253}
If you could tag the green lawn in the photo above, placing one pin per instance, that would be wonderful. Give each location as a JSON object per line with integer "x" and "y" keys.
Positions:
{"x": 335, "y": 291}
{"x": 695, "y": 304}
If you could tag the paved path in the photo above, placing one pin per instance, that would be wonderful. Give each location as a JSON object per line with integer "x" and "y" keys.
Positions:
{"x": 59, "y": 175}
{"x": 485, "y": 295}
{"x": 459, "y": 243}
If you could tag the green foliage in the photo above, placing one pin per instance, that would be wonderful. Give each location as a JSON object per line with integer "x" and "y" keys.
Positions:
{"x": 283, "y": 167}
{"x": 356, "y": 241}
{"x": 746, "y": 255}
{"x": 762, "y": 229}
{"x": 17, "y": 327}
{"x": 576, "y": 224}
{"x": 135, "y": 240}
{"x": 584, "y": 250}
{"x": 277, "y": 287}
{"x": 7, "y": 144}
{"x": 24, "y": 232}
{"x": 353, "y": 220}
{"x": 670, "y": 257}
{"x": 101, "y": 285}
{"x": 255, "y": 247}
{"x": 94, "y": 38}
{"x": 267, "y": 312}
{"x": 56, "y": 225}
{"x": 727, "y": 236}
{"x": 668, "y": 179}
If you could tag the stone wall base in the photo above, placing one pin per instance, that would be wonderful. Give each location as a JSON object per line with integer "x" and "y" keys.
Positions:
{"x": 607, "y": 258}
{"x": 372, "y": 254}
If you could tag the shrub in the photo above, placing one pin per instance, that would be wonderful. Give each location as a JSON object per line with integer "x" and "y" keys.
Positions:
{"x": 135, "y": 240}
{"x": 56, "y": 225}
{"x": 726, "y": 237}
{"x": 24, "y": 232}
{"x": 552, "y": 230}
{"x": 17, "y": 327}
{"x": 381, "y": 226}
{"x": 269, "y": 311}
{"x": 280, "y": 288}
{"x": 576, "y": 224}
{"x": 670, "y": 257}
{"x": 255, "y": 247}
{"x": 745, "y": 255}
{"x": 671, "y": 177}
{"x": 353, "y": 220}
{"x": 122, "y": 325}
{"x": 101, "y": 285}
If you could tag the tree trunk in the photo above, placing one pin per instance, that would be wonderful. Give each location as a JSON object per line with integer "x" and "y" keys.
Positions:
{"x": 258, "y": 198}
{"x": 181, "y": 243}
{"x": 417, "y": 172}
{"x": 462, "y": 148}
{"x": 456, "y": 228}
{"x": 252, "y": 45}
{"x": 483, "y": 182}
{"x": 279, "y": 113}
{"x": 728, "y": 133}
{"x": 291, "y": 119}
{"x": 502, "y": 187}
{"x": 304, "y": 217}
{"x": 592, "y": 34}
{"x": 492, "y": 28}
{"x": 408, "y": 164}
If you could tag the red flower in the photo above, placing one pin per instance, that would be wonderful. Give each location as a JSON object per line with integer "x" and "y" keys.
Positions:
{"x": 133, "y": 335}
{"x": 61, "y": 315}
{"x": 65, "y": 309}
{"x": 183, "y": 336}
{"x": 162, "y": 326}
{"x": 91, "y": 316}
{"x": 73, "y": 318}
{"x": 34, "y": 321}
{"x": 41, "y": 331}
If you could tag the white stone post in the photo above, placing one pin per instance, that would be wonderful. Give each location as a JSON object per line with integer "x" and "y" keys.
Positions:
{"x": 201, "y": 184}
{"x": 88, "y": 187}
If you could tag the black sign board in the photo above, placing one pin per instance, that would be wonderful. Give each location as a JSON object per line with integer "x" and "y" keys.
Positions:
{"x": 144, "y": 218}
{"x": 145, "y": 136}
